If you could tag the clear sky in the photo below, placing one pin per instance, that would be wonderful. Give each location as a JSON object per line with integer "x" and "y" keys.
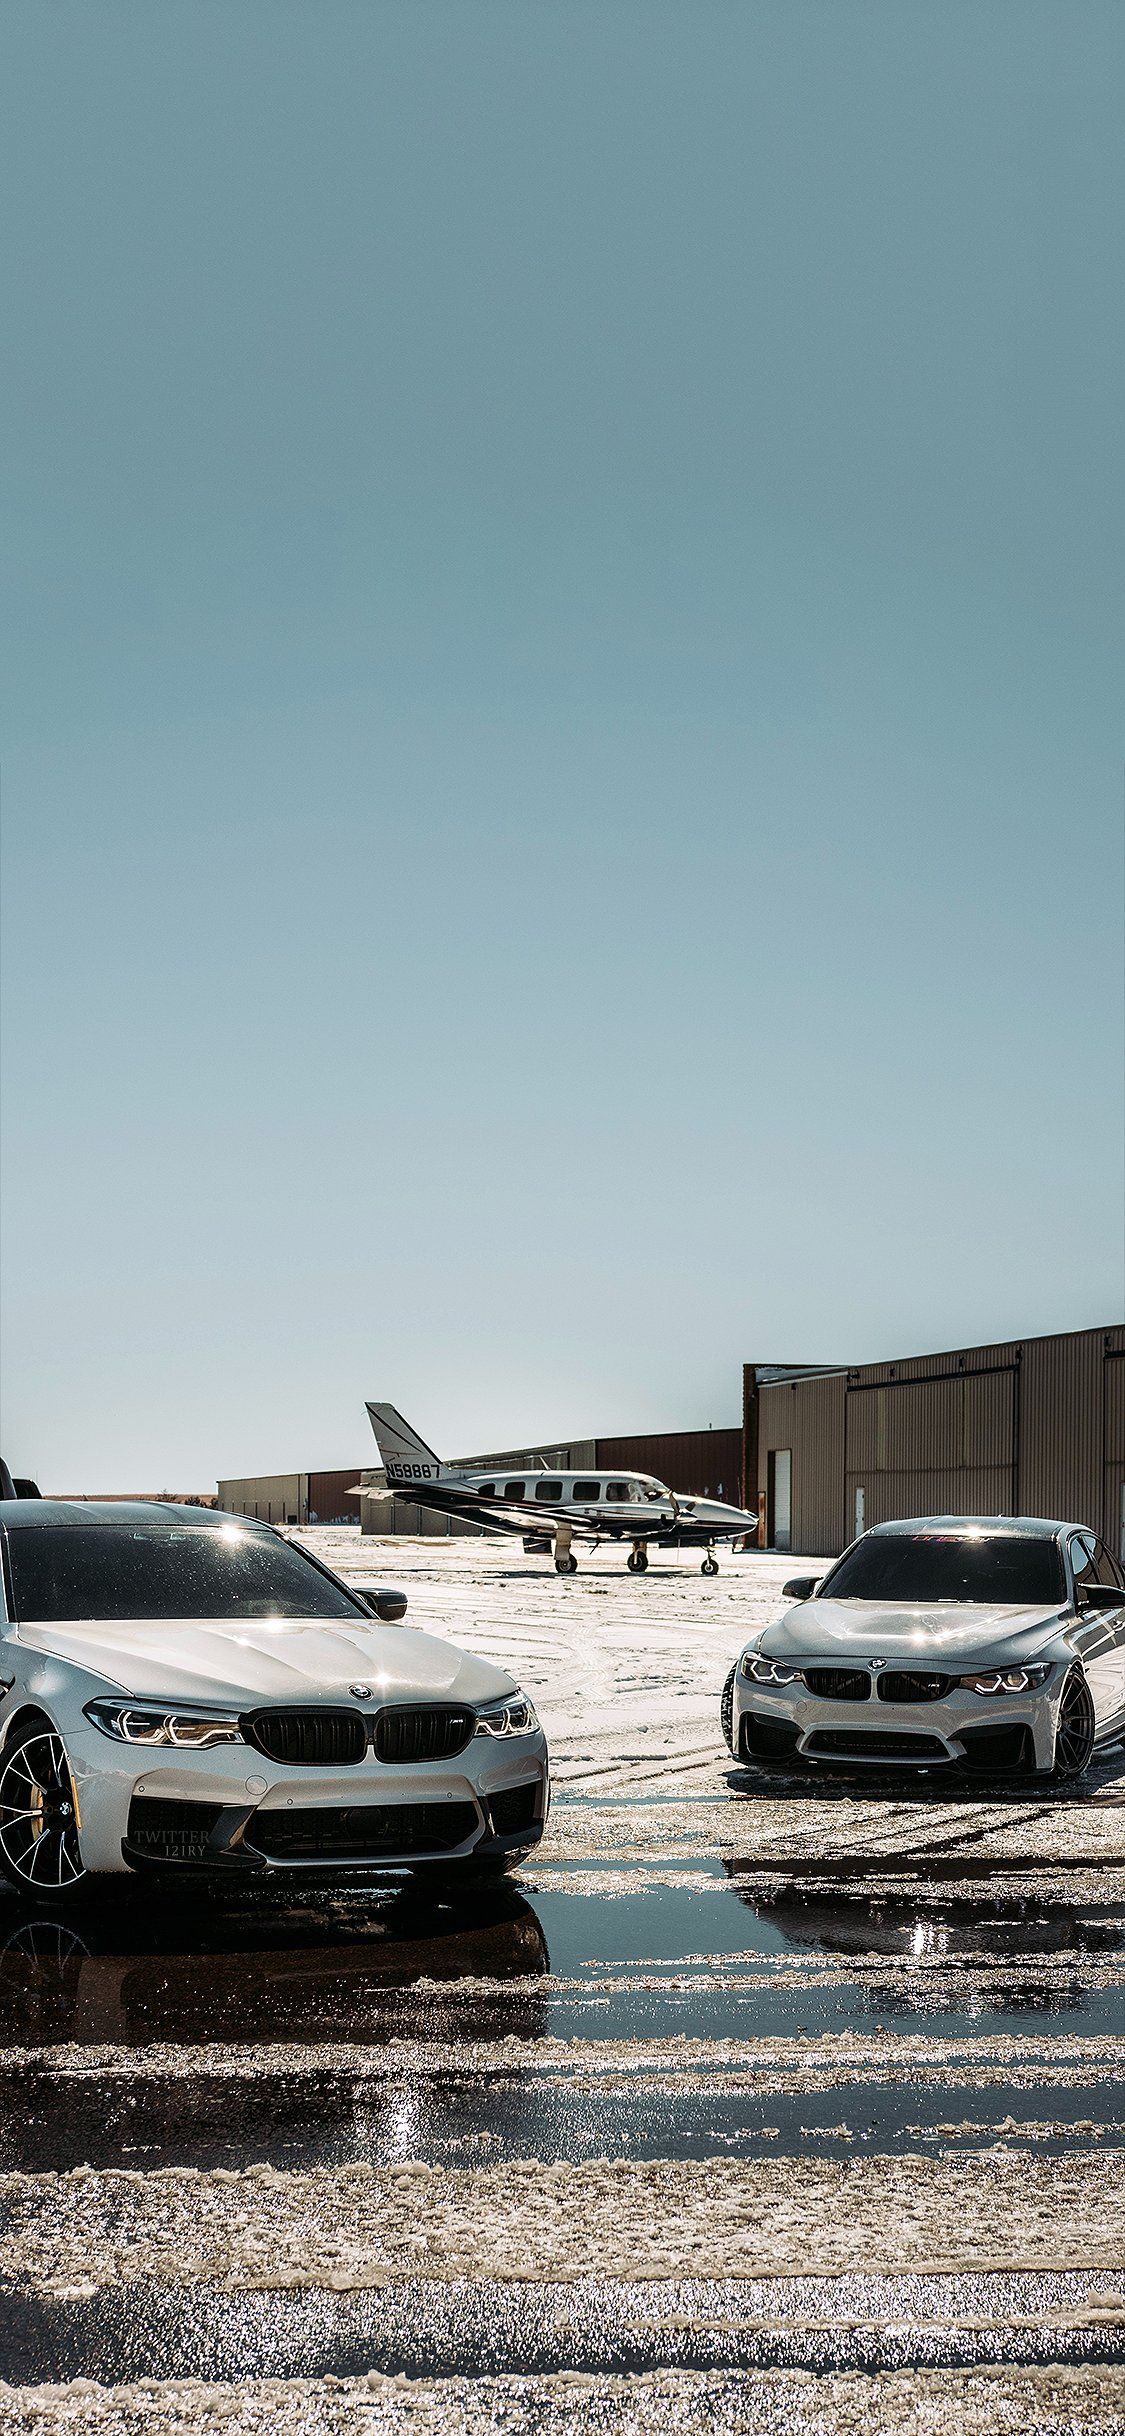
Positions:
{"x": 562, "y": 752}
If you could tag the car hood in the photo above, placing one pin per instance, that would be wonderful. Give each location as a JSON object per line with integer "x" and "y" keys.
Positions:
{"x": 258, "y": 1661}
{"x": 864, "y": 1628}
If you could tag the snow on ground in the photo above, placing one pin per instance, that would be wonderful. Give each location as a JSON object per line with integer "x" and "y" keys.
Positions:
{"x": 1059, "y": 2401}
{"x": 347, "y": 2228}
{"x": 691, "y": 1934}
{"x": 625, "y": 1669}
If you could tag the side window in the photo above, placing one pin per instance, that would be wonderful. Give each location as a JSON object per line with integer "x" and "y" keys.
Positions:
{"x": 486, "y": 1488}
{"x": 1083, "y": 1561}
{"x": 514, "y": 1489}
{"x": 585, "y": 1492}
{"x": 548, "y": 1492}
{"x": 618, "y": 1492}
{"x": 1108, "y": 1569}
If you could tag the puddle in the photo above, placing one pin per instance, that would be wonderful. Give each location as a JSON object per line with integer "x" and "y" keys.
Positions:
{"x": 721, "y": 1953}
{"x": 310, "y": 2118}
{"x": 468, "y": 2328}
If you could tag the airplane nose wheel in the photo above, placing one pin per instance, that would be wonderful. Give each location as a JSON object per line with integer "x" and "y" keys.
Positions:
{"x": 638, "y": 1560}
{"x": 710, "y": 1563}
{"x": 566, "y": 1564}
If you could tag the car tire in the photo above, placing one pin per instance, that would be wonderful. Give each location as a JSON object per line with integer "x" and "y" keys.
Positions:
{"x": 1074, "y": 1729}
{"x": 726, "y": 1712}
{"x": 39, "y": 1847}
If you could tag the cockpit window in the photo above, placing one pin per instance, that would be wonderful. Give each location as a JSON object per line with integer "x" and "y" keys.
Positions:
{"x": 925, "y": 1568}
{"x": 585, "y": 1492}
{"x": 514, "y": 1490}
{"x": 618, "y": 1492}
{"x": 486, "y": 1488}
{"x": 143, "y": 1573}
{"x": 548, "y": 1492}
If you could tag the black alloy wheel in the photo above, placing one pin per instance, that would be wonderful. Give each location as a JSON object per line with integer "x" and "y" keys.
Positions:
{"x": 726, "y": 1712}
{"x": 38, "y": 1813}
{"x": 1074, "y": 1732}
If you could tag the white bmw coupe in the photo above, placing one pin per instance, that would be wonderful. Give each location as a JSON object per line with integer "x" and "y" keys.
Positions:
{"x": 956, "y": 1641}
{"x": 184, "y": 1690}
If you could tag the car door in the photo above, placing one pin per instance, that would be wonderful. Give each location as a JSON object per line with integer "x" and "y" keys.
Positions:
{"x": 1095, "y": 1630}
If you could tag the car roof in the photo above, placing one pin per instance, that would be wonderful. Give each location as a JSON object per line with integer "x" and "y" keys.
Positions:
{"x": 982, "y": 1526}
{"x": 24, "y": 1513}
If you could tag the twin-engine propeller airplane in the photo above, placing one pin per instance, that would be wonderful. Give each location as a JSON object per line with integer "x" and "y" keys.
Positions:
{"x": 553, "y": 1509}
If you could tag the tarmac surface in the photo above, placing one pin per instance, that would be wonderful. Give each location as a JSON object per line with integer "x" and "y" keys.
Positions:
{"x": 751, "y": 2101}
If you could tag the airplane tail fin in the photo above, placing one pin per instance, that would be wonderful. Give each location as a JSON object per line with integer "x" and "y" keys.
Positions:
{"x": 405, "y": 1455}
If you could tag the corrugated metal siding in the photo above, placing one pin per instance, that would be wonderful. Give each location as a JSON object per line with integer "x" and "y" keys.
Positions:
{"x": 808, "y": 1416}
{"x": 1063, "y": 1459}
{"x": 703, "y": 1462}
{"x": 272, "y": 1497}
{"x": 1036, "y": 1427}
{"x": 932, "y": 1442}
{"x": 1114, "y": 1405}
{"x": 328, "y": 1500}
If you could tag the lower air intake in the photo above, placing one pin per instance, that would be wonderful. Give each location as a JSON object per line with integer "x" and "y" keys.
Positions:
{"x": 998, "y": 1746}
{"x": 767, "y": 1738}
{"x": 842, "y": 1742}
{"x": 171, "y": 1830}
{"x": 371, "y": 1831}
{"x": 515, "y": 1808}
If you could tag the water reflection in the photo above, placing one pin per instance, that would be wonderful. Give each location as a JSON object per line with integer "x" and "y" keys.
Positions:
{"x": 128, "y": 1968}
{"x": 923, "y": 1922}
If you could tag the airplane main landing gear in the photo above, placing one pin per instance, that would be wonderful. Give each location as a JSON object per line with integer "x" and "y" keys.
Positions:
{"x": 710, "y": 1562}
{"x": 638, "y": 1560}
{"x": 566, "y": 1564}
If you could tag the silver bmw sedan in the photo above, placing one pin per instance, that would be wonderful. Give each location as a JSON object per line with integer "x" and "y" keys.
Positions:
{"x": 954, "y": 1641}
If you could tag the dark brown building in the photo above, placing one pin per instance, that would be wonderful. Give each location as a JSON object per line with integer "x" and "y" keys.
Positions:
{"x": 1029, "y": 1427}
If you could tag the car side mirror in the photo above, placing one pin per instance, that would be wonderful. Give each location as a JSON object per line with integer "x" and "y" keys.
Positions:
{"x": 1098, "y": 1595}
{"x": 803, "y": 1588}
{"x": 388, "y": 1605}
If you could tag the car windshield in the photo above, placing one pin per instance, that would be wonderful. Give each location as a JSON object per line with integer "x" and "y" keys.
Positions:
{"x": 109, "y": 1574}
{"x": 929, "y": 1567}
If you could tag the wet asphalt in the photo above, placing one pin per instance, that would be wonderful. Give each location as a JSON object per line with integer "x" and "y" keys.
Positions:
{"x": 702, "y": 1964}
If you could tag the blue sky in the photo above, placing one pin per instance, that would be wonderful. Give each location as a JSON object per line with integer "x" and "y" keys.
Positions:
{"x": 561, "y": 734}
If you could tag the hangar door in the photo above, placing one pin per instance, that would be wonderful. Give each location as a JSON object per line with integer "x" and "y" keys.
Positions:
{"x": 938, "y": 1445}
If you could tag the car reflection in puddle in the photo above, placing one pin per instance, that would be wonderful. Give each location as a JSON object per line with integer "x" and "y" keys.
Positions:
{"x": 922, "y": 1923}
{"x": 125, "y": 1969}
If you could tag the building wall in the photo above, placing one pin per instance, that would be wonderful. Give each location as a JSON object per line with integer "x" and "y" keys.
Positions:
{"x": 275, "y": 1497}
{"x": 807, "y": 1415}
{"x": 1035, "y": 1427}
{"x": 700, "y": 1462}
{"x": 329, "y": 1500}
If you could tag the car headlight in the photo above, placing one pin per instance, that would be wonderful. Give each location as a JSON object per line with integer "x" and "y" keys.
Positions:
{"x": 505, "y": 1717}
{"x": 754, "y": 1669}
{"x": 1005, "y": 1679}
{"x": 155, "y": 1725}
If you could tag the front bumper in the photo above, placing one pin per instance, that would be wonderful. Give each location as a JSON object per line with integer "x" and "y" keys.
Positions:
{"x": 1002, "y": 1731}
{"x": 231, "y": 1810}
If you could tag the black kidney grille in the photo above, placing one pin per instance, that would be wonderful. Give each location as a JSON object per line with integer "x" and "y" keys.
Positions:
{"x": 404, "y": 1735}
{"x": 913, "y": 1687}
{"x": 308, "y": 1738}
{"x": 370, "y": 1831}
{"x": 837, "y": 1682}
